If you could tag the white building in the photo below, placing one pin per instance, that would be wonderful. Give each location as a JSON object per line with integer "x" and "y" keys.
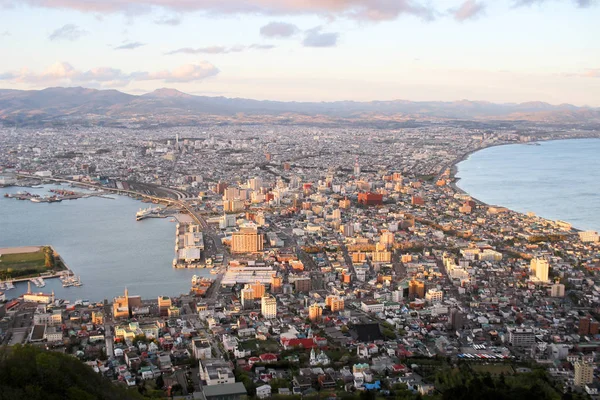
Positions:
{"x": 434, "y": 296}
{"x": 521, "y": 337}
{"x": 263, "y": 392}
{"x": 268, "y": 307}
{"x": 371, "y": 306}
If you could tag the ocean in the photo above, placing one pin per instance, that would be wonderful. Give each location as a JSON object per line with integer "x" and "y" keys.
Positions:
{"x": 100, "y": 240}
{"x": 557, "y": 180}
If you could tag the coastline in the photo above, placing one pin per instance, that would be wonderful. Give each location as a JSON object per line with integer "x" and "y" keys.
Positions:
{"x": 454, "y": 179}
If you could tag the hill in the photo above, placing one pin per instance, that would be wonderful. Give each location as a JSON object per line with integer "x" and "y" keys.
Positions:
{"x": 165, "y": 105}
{"x": 27, "y": 372}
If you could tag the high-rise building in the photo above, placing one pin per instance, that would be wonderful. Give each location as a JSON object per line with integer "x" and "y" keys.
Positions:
{"x": 521, "y": 337}
{"x": 164, "y": 303}
{"x": 276, "y": 282}
{"x": 268, "y": 307}
{"x": 416, "y": 289}
{"x": 456, "y": 319}
{"x": 387, "y": 239}
{"x": 540, "y": 269}
{"x": 255, "y": 183}
{"x": 335, "y": 303}
{"x": 434, "y": 296}
{"x": 247, "y": 297}
{"x": 584, "y": 373}
{"x": 356, "y": 167}
{"x": 315, "y": 312}
{"x": 258, "y": 289}
{"x": 303, "y": 285}
{"x": 247, "y": 240}
{"x": 584, "y": 326}
{"x": 557, "y": 290}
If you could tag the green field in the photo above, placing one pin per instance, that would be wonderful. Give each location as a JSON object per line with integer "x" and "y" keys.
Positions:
{"x": 22, "y": 265}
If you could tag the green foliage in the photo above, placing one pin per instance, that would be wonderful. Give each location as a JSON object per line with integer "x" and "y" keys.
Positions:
{"x": 27, "y": 372}
{"x": 463, "y": 383}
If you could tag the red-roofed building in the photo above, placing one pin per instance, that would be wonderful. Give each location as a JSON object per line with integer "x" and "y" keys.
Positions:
{"x": 268, "y": 358}
{"x": 253, "y": 360}
{"x": 303, "y": 343}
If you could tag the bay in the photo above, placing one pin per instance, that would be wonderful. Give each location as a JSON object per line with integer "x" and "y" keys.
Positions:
{"x": 101, "y": 241}
{"x": 557, "y": 180}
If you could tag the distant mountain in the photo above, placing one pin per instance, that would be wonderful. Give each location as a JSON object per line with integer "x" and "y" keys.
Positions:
{"x": 171, "y": 105}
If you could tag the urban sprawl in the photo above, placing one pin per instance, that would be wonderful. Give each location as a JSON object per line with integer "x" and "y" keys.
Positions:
{"x": 343, "y": 260}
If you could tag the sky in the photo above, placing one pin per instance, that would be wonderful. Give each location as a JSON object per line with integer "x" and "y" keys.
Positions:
{"x": 309, "y": 50}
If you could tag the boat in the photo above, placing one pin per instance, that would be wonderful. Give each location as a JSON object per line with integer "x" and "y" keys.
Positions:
{"x": 9, "y": 285}
{"x": 77, "y": 282}
{"x": 41, "y": 282}
{"x": 146, "y": 212}
{"x": 2, "y": 287}
{"x": 195, "y": 279}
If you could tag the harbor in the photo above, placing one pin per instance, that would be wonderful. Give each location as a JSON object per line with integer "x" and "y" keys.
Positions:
{"x": 56, "y": 196}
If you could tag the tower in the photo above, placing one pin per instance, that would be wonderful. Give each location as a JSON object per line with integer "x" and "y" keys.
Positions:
{"x": 356, "y": 166}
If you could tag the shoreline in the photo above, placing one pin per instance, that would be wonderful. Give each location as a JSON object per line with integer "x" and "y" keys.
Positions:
{"x": 454, "y": 170}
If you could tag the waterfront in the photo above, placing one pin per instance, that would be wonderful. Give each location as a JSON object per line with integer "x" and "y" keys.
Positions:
{"x": 100, "y": 240}
{"x": 556, "y": 180}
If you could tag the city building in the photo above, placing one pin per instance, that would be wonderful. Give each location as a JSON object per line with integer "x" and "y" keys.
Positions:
{"x": 123, "y": 305}
{"x": 276, "y": 283}
{"x": 416, "y": 289}
{"x": 335, "y": 303}
{"x": 521, "y": 337}
{"x": 557, "y": 290}
{"x": 371, "y": 306}
{"x": 268, "y": 307}
{"x": 434, "y": 296}
{"x": 315, "y": 312}
{"x": 370, "y": 199}
{"x": 540, "y": 269}
{"x": 584, "y": 373}
{"x": 247, "y": 240}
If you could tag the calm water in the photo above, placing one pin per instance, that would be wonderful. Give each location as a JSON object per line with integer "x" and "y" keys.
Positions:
{"x": 556, "y": 180}
{"x": 101, "y": 241}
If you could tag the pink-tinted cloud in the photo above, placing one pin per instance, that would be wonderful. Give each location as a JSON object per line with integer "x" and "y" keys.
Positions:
{"x": 63, "y": 72}
{"x": 220, "y": 49}
{"x": 468, "y": 10}
{"x": 358, "y": 9}
{"x": 592, "y": 73}
{"x": 578, "y": 3}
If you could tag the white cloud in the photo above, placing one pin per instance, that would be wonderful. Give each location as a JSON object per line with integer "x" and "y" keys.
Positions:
{"x": 315, "y": 38}
{"x": 67, "y": 32}
{"x": 63, "y": 72}
{"x": 220, "y": 49}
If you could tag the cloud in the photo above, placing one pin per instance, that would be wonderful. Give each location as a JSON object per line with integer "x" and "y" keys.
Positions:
{"x": 376, "y": 10}
{"x": 314, "y": 38}
{"x": 279, "y": 30}
{"x": 5, "y": 33}
{"x": 130, "y": 46}
{"x": 65, "y": 73}
{"x": 166, "y": 20}
{"x": 468, "y": 10}
{"x": 591, "y": 73}
{"x": 67, "y": 32}
{"x": 578, "y": 3}
{"x": 220, "y": 49}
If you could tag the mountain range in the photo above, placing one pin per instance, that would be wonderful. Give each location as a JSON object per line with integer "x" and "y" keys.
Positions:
{"x": 25, "y": 107}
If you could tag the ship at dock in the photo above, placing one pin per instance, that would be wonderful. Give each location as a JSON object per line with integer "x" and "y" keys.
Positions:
{"x": 147, "y": 212}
